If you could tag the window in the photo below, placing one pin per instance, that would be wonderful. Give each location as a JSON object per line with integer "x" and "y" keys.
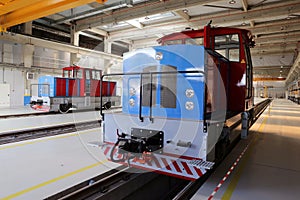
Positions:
{"x": 228, "y": 46}
{"x": 45, "y": 89}
{"x": 168, "y": 87}
{"x": 71, "y": 74}
{"x": 194, "y": 41}
{"x": 172, "y": 42}
{"x": 234, "y": 55}
{"x": 78, "y": 73}
{"x": 87, "y": 75}
{"x": 66, "y": 73}
{"x": 96, "y": 75}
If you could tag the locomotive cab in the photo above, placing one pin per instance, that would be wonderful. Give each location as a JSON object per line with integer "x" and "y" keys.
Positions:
{"x": 176, "y": 100}
{"x": 234, "y": 45}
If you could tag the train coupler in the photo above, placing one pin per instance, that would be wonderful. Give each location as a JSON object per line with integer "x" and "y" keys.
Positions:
{"x": 140, "y": 141}
{"x": 145, "y": 158}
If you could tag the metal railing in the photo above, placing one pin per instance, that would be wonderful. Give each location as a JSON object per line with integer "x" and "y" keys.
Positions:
{"x": 141, "y": 87}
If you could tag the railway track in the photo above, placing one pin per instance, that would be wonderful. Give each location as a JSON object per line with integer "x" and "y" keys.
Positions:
{"x": 123, "y": 183}
{"x": 25, "y": 115}
{"x": 28, "y": 134}
{"x": 114, "y": 108}
{"x": 128, "y": 184}
{"x": 47, "y": 131}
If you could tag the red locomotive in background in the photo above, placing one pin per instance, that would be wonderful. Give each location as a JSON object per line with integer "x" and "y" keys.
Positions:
{"x": 77, "y": 89}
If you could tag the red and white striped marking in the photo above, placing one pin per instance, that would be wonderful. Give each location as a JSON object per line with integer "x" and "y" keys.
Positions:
{"x": 41, "y": 108}
{"x": 228, "y": 173}
{"x": 165, "y": 164}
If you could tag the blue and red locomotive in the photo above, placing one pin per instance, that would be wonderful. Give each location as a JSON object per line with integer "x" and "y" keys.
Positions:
{"x": 178, "y": 101}
{"x": 77, "y": 89}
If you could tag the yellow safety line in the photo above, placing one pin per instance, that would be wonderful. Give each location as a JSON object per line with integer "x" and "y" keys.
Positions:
{"x": 235, "y": 179}
{"x": 37, "y": 140}
{"x": 53, "y": 180}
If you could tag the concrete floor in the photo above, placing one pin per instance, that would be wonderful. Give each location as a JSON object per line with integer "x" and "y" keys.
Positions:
{"x": 36, "y": 169}
{"x": 32, "y": 122}
{"x": 270, "y": 167}
{"x": 39, "y": 168}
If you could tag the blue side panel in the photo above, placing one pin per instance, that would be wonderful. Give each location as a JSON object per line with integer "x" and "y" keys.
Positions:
{"x": 55, "y": 87}
{"x": 185, "y": 57}
{"x": 26, "y": 100}
{"x": 67, "y": 87}
{"x": 78, "y": 88}
{"x": 43, "y": 90}
{"x": 180, "y": 57}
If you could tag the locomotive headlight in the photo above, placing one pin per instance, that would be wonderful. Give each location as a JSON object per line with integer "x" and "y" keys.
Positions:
{"x": 189, "y": 105}
{"x": 131, "y": 102}
{"x": 159, "y": 56}
{"x": 132, "y": 91}
{"x": 189, "y": 93}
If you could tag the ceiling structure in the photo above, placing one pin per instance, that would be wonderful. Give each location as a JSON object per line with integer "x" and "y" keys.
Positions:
{"x": 129, "y": 24}
{"x": 13, "y": 12}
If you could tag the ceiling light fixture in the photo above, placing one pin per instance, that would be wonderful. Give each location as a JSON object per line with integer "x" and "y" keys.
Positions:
{"x": 185, "y": 10}
{"x": 232, "y": 2}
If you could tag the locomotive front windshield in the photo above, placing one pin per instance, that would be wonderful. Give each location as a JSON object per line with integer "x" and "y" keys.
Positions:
{"x": 173, "y": 42}
{"x": 228, "y": 46}
{"x": 194, "y": 41}
{"x": 187, "y": 41}
{"x": 165, "y": 83}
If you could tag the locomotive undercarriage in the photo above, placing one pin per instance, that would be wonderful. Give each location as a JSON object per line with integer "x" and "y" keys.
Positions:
{"x": 67, "y": 104}
{"x": 170, "y": 150}
{"x": 151, "y": 149}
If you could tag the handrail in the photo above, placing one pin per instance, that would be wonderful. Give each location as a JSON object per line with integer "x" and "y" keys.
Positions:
{"x": 141, "y": 99}
{"x": 142, "y": 74}
{"x": 151, "y": 94}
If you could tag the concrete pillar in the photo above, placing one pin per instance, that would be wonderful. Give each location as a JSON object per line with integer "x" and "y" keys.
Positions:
{"x": 130, "y": 46}
{"x": 26, "y": 84}
{"x": 74, "y": 36}
{"x": 28, "y": 28}
{"x": 286, "y": 94}
{"x": 74, "y": 58}
{"x": 28, "y": 50}
{"x": 107, "y": 49}
{"x": 107, "y": 45}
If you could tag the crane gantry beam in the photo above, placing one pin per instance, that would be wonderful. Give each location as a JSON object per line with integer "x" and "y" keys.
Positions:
{"x": 13, "y": 12}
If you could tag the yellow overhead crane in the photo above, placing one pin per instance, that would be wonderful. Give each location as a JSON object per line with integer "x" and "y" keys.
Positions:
{"x": 13, "y": 12}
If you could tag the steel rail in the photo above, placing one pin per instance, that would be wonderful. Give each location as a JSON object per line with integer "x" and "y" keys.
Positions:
{"x": 21, "y": 135}
{"x": 127, "y": 184}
